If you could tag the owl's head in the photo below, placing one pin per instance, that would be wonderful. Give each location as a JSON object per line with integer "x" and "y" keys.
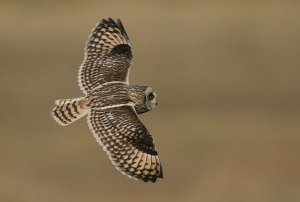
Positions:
{"x": 144, "y": 98}
{"x": 151, "y": 98}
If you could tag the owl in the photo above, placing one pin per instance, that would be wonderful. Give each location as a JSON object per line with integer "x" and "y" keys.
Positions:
{"x": 112, "y": 104}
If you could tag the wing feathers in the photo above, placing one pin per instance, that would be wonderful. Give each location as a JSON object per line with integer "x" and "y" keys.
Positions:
{"x": 119, "y": 131}
{"x": 107, "y": 57}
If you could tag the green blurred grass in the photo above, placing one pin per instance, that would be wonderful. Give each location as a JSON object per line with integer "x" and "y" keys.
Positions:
{"x": 227, "y": 76}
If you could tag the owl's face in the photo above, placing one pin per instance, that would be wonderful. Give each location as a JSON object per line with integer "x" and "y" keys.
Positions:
{"x": 151, "y": 98}
{"x": 143, "y": 97}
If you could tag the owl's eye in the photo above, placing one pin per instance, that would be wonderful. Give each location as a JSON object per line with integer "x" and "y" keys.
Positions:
{"x": 150, "y": 96}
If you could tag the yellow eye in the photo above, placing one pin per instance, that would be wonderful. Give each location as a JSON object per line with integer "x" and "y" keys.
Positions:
{"x": 150, "y": 96}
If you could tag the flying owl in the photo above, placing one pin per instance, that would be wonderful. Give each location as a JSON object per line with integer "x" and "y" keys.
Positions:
{"x": 112, "y": 105}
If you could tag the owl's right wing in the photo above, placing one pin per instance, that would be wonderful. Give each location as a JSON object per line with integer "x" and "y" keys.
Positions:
{"x": 107, "y": 56}
{"x": 127, "y": 142}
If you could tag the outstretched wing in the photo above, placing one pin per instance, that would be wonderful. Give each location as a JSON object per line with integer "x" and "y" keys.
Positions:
{"x": 107, "y": 56}
{"x": 127, "y": 142}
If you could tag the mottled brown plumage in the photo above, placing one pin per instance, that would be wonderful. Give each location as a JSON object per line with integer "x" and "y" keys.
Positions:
{"x": 126, "y": 141}
{"x": 112, "y": 104}
{"x": 107, "y": 56}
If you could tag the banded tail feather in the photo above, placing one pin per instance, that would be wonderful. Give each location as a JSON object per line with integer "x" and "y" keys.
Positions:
{"x": 69, "y": 110}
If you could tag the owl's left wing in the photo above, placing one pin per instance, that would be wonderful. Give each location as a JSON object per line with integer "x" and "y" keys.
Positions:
{"x": 107, "y": 56}
{"x": 127, "y": 142}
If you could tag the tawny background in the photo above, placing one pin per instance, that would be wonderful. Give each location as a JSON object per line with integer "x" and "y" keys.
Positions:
{"x": 227, "y": 127}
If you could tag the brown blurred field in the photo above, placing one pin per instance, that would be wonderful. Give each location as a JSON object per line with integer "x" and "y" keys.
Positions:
{"x": 228, "y": 78}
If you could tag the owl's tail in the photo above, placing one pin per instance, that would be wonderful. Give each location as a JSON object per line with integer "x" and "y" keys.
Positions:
{"x": 69, "y": 110}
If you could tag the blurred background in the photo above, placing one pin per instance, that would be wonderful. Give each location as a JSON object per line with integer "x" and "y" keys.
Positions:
{"x": 228, "y": 78}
